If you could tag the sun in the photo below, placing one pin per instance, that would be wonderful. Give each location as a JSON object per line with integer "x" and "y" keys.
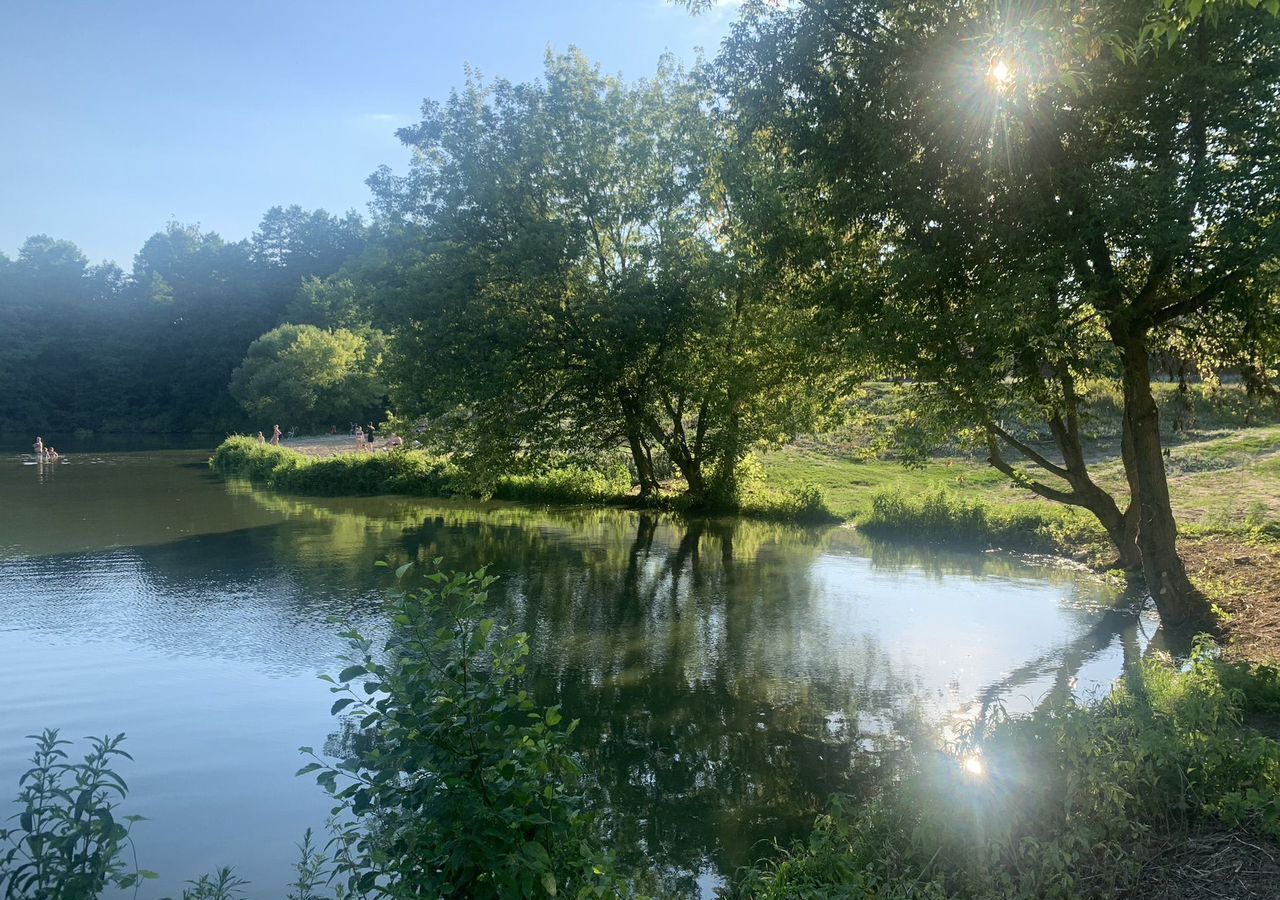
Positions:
{"x": 1000, "y": 74}
{"x": 974, "y": 766}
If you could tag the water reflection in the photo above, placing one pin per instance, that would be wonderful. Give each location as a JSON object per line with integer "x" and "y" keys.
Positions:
{"x": 729, "y": 675}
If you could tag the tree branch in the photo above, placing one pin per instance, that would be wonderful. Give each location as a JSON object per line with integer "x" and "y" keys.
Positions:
{"x": 998, "y": 462}
{"x": 1028, "y": 452}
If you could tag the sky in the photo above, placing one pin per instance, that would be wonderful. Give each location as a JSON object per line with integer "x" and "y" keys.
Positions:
{"x": 121, "y": 116}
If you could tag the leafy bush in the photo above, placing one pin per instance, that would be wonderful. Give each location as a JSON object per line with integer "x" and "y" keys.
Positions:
{"x": 1070, "y": 801}
{"x": 465, "y": 787}
{"x": 68, "y": 844}
{"x": 805, "y": 504}
{"x": 567, "y": 484}
{"x": 279, "y": 468}
{"x": 940, "y": 517}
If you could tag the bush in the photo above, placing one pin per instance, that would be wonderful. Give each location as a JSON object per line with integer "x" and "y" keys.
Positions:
{"x": 805, "y": 504}
{"x": 68, "y": 844}
{"x": 1070, "y": 801}
{"x": 567, "y": 484}
{"x": 940, "y": 517}
{"x": 279, "y": 468}
{"x": 464, "y": 787}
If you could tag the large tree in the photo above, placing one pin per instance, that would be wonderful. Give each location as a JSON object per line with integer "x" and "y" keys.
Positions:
{"x": 1011, "y": 203}
{"x": 573, "y": 285}
{"x": 309, "y": 376}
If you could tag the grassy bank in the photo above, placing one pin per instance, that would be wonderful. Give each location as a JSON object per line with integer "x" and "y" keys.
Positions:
{"x": 410, "y": 472}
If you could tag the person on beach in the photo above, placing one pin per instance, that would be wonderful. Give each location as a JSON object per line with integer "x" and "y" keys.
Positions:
{"x": 38, "y": 447}
{"x": 262, "y": 438}
{"x": 359, "y": 438}
{"x": 276, "y": 434}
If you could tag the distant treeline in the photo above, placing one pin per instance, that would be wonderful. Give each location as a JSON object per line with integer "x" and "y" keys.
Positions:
{"x": 96, "y": 347}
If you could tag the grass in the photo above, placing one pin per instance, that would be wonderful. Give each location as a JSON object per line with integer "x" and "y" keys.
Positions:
{"x": 408, "y": 472}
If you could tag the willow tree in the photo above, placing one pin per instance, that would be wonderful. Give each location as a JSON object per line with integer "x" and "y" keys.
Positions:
{"x": 1011, "y": 203}
{"x": 568, "y": 279}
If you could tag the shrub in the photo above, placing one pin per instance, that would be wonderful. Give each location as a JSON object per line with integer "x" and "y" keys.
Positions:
{"x": 567, "y": 484}
{"x": 940, "y": 517}
{"x": 464, "y": 787}
{"x": 69, "y": 843}
{"x": 279, "y": 468}
{"x": 805, "y": 504}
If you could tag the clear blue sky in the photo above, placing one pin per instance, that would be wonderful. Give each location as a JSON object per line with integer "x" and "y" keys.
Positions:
{"x": 121, "y": 115}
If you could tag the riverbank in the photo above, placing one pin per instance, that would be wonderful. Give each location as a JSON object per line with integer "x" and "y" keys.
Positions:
{"x": 328, "y": 467}
{"x": 1225, "y": 481}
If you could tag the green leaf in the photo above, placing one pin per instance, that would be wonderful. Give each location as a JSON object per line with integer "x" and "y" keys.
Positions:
{"x": 340, "y": 705}
{"x": 351, "y": 672}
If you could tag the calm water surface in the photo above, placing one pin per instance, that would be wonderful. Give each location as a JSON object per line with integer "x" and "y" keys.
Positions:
{"x": 729, "y": 675}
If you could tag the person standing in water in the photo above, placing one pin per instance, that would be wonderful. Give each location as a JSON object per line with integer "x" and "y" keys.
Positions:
{"x": 38, "y": 447}
{"x": 275, "y": 436}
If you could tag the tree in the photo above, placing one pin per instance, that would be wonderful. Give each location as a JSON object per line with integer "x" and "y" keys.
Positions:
{"x": 1010, "y": 209}
{"x": 300, "y": 374}
{"x": 571, "y": 286}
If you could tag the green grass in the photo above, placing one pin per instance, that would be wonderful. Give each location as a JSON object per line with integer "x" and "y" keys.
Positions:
{"x": 279, "y": 468}
{"x": 1221, "y": 481}
{"x": 408, "y": 472}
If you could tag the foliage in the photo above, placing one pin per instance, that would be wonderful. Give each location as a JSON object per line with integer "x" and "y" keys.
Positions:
{"x": 1000, "y": 232}
{"x": 805, "y": 504}
{"x": 608, "y": 480}
{"x": 573, "y": 281}
{"x": 467, "y": 787}
{"x": 939, "y": 516}
{"x": 91, "y": 346}
{"x": 1070, "y": 801}
{"x": 223, "y": 884}
{"x": 69, "y": 842}
{"x": 397, "y": 472}
{"x": 301, "y": 374}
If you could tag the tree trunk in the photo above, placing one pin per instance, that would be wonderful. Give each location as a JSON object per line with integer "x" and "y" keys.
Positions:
{"x": 1181, "y": 606}
{"x": 640, "y": 458}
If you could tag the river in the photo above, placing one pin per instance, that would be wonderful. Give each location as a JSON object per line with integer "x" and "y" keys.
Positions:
{"x": 729, "y": 675}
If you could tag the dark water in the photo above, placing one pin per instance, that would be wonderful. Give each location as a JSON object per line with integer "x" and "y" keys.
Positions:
{"x": 729, "y": 675}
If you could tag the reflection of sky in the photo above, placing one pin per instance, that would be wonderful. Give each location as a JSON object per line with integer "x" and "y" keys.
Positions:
{"x": 954, "y": 635}
{"x": 143, "y": 596}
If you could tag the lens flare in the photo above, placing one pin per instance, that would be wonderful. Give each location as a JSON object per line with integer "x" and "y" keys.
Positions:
{"x": 973, "y": 765}
{"x": 1000, "y": 74}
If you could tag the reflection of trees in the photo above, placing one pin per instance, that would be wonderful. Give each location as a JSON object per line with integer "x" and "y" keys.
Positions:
{"x": 705, "y": 731}
{"x": 716, "y": 712}
{"x": 1065, "y": 661}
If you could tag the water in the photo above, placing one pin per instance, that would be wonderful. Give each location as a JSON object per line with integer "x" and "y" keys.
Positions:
{"x": 729, "y": 675}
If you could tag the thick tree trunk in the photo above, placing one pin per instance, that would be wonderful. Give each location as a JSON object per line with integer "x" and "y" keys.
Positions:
{"x": 643, "y": 462}
{"x": 1180, "y": 605}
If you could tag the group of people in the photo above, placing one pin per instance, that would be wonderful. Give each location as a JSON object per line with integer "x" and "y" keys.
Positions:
{"x": 43, "y": 452}
{"x": 365, "y": 439}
